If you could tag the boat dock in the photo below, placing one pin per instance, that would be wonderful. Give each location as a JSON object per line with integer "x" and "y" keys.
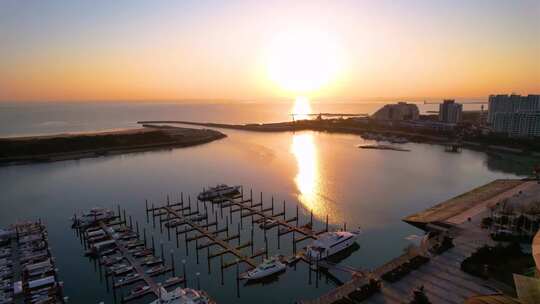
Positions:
{"x": 127, "y": 259}
{"x": 183, "y": 215}
{"x": 27, "y": 269}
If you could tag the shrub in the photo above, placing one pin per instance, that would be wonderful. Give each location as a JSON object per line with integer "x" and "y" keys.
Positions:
{"x": 419, "y": 297}
{"x": 498, "y": 262}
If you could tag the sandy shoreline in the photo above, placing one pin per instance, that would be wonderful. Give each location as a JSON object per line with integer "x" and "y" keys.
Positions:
{"x": 66, "y": 146}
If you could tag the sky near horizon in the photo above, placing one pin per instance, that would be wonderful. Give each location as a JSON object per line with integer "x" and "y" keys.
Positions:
{"x": 76, "y": 50}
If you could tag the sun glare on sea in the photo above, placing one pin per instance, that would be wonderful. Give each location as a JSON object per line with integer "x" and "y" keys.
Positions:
{"x": 303, "y": 61}
{"x": 307, "y": 180}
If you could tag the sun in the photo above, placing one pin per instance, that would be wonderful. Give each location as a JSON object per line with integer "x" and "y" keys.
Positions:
{"x": 303, "y": 61}
{"x": 301, "y": 108}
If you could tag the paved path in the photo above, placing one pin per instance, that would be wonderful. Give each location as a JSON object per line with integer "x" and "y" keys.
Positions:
{"x": 482, "y": 207}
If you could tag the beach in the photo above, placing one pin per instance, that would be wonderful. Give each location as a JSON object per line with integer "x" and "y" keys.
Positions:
{"x": 28, "y": 149}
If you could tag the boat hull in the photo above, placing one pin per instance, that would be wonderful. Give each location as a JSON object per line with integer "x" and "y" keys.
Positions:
{"x": 335, "y": 249}
{"x": 265, "y": 274}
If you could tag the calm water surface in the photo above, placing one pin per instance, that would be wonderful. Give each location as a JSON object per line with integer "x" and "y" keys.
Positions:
{"x": 321, "y": 172}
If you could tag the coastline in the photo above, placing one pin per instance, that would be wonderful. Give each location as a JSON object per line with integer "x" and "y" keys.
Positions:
{"x": 66, "y": 146}
{"x": 338, "y": 126}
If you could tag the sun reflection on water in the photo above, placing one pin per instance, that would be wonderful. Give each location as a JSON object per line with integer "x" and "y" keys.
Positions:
{"x": 308, "y": 179}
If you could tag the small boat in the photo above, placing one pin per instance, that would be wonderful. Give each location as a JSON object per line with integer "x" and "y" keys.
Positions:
{"x": 268, "y": 224}
{"x": 107, "y": 252}
{"x": 383, "y": 147}
{"x": 133, "y": 243}
{"x": 183, "y": 296}
{"x": 152, "y": 261}
{"x": 218, "y": 191}
{"x": 117, "y": 267}
{"x": 155, "y": 269}
{"x": 139, "y": 289}
{"x": 173, "y": 223}
{"x": 92, "y": 217}
{"x": 398, "y": 140}
{"x": 122, "y": 270}
{"x": 198, "y": 217}
{"x": 142, "y": 253}
{"x": 267, "y": 268}
{"x": 128, "y": 278}
{"x": 128, "y": 236}
{"x": 330, "y": 243}
{"x": 172, "y": 280}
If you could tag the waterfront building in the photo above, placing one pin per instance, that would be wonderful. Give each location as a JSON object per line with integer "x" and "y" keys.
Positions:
{"x": 519, "y": 124}
{"x": 502, "y": 104}
{"x": 515, "y": 115}
{"x": 399, "y": 111}
{"x": 450, "y": 111}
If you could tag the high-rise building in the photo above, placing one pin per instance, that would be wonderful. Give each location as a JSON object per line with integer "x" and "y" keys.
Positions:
{"x": 511, "y": 104}
{"x": 525, "y": 124}
{"x": 399, "y": 111}
{"x": 515, "y": 115}
{"x": 450, "y": 111}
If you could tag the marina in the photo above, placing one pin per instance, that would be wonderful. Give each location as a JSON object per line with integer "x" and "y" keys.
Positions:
{"x": 27, "y": 268}
{"x": 183, "y": 215}
{"x": 270, "y": 177}
{"x": 195, "y": 224}
{"x": 128, "y": 261}
{"x": 263, "y": 152}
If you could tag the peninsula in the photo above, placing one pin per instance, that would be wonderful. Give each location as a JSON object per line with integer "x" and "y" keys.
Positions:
{"x": 21, "y": 150}
{"x": 475, "y": 140}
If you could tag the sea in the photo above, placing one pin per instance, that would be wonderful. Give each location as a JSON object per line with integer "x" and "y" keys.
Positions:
{"x": 323, "y": 175}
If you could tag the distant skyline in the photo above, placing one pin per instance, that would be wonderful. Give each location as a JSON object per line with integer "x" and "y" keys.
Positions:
{"x": 121, "y": 50}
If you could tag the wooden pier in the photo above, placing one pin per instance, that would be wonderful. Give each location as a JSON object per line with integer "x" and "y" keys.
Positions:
{"x": 154, "y": 287}
{"x": 185, "y": 218}
{"x": 182, "y": 214}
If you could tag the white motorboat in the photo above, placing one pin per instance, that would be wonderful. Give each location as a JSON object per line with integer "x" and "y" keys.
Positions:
{"x": 268, "y": 224}
{"x": 267, "y": 268}
{"x": 218, "y": 191}
{"x": 183, "y": 296}
{"x": 93, "y": 216}
{"x": 330, "y": 243}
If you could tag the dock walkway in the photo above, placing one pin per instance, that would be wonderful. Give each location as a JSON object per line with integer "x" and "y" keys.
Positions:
{"x": 154, "y": 287}
{"x": 125, "y": 256}
{"x": 181, "y": 214}
{"x": 228, "y": 248}
{"x": 308, "y": 233}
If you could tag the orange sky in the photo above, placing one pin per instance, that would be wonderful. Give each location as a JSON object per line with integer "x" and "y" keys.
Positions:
{"x": 204, "y": 51}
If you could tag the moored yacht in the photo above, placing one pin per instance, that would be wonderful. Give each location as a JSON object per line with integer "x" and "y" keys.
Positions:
{"x": 266, "y": 268}
{"x": 330, "y": 243}
{"x": 183, "y": 296}
{"x": 91, "y": 217}
{"x": 218, "y": 191}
